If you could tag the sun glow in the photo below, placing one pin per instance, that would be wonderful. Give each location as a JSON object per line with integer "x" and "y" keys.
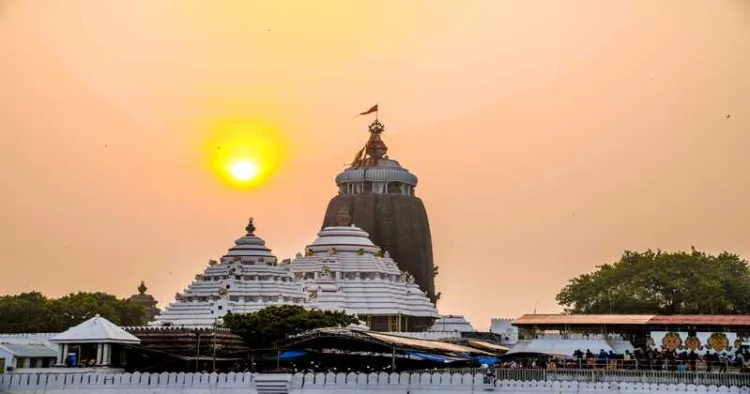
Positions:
{"x": 244, "y": 170}
{"x": 245, "y": 153}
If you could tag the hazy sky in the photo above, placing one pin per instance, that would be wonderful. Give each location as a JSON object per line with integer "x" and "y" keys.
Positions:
{"x": 548, "y": 136}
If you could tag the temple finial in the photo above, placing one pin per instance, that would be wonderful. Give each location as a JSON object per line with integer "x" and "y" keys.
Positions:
{"x": 375, "y": 147}
{"x": 343, "y": 217}
{"x": 250, "y": 228}
{"x": 142, "y": 288}
{"x": 376, "y": 127}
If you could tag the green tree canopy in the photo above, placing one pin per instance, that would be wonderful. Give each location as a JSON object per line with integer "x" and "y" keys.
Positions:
{"x": 273, "y": 323}
{"x": 33, "y": 312}
{"x": 76, "y": 308}
{"x": 662, "y": 283}
{"x": 26, "y": 312}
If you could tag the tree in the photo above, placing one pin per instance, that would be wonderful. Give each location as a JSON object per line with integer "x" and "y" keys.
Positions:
{"x": 33, "y": 312}
{"x": 662, "y": 283}
{"x": 273, "y": 323}
{"x": 76, "y": 308}
{"x": 26, "y": 312}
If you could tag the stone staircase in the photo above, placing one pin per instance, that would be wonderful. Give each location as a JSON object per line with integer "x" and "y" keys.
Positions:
{"x": 273, "y": 383}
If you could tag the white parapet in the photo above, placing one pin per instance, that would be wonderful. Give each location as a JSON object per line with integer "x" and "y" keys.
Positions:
{"x": 382, "y": 383}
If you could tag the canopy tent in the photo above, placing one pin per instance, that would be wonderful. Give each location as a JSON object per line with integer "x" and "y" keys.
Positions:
{"x": 368, "y": 341}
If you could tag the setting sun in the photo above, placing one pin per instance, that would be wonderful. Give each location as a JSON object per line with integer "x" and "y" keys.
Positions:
{"x": 245, "y": 153}
{"x": 244, "y": 170}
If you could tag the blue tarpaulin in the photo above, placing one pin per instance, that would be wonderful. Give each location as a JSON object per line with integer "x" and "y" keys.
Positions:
{"x": 432, "y": 357}
{"x": 291, "y": 354}
{"x": 486, "y": 360}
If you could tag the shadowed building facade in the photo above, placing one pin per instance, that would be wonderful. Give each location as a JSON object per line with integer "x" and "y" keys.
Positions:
{"x": 379, "y": 195}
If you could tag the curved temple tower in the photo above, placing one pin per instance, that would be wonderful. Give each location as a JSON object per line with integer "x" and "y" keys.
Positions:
{"x": 379, "y": 195}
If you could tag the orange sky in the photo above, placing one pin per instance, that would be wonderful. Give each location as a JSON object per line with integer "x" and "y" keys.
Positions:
{"x": 548, "y": 136}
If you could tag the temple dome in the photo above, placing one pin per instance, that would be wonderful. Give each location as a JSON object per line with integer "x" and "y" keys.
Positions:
{"x": 246, "y": 279}
{"x": 249, "y": 245}
{"x": 385, "y": 170}
{"x": 372, "y": 172}
{"x": 344, "y": 239}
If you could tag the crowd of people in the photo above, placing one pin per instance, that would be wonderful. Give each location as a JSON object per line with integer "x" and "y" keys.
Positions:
{"x": 643, "y": 358}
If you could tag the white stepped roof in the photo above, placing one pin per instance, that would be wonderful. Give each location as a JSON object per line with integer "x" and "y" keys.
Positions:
{"x": 95, "y": 330}
{"x": 452, "y": 323}
{"x": 343, "y": 270}
{"x": 246, "y": 279}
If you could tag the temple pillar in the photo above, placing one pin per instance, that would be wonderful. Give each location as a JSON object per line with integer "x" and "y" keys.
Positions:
{"x": 99, "y": 351}
{"x": 65, "y": 351}
{"x": 107, "y": 354}
{"x": 61, "y": 355}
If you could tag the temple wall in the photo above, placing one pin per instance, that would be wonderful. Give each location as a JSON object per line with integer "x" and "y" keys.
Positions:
{"x": 383, "y": 383}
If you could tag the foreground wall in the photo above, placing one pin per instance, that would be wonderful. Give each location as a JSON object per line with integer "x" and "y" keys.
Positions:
{"x": 382, "y": 383}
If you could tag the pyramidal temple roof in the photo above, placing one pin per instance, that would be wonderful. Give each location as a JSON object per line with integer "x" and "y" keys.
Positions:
{"x": 95, "y": 330}
{"x": 452, "y": 323}
{"x": 343, "y": 270}
{"x": 246, "y": 279}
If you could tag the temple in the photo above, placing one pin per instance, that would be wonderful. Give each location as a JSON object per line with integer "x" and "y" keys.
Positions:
{"x": 344, "y": 270}
{"x": 246, "y": 279}
{"x": 147, "y": 301}
{"x": 380, "y": 196}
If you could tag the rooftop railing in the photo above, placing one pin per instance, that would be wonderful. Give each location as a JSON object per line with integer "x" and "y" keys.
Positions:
{"x": 575, "y": 336}
{"x": 611, "y": 376}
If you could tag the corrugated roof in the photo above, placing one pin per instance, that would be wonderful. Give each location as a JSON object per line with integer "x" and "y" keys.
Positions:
{"x": 582, "y": 319}
{"x": 676, "y": 320}
{"x": 425, "y": 344}
{"x": 491, "y": 347}
{"x": 413, "y": 343}
{"x": 30, "y": 350}
{"x": 708, "y": 320}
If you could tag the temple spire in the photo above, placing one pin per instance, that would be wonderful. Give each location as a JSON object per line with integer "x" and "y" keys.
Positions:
{"x": 142, "y": 288}
{"x": 250, "y": 228}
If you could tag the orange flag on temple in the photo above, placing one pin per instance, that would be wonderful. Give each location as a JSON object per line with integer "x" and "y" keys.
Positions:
{"x": 371, "y": 110}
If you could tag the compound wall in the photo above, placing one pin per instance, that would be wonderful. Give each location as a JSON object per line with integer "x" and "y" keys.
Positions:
{"x": 382, "y": 383}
